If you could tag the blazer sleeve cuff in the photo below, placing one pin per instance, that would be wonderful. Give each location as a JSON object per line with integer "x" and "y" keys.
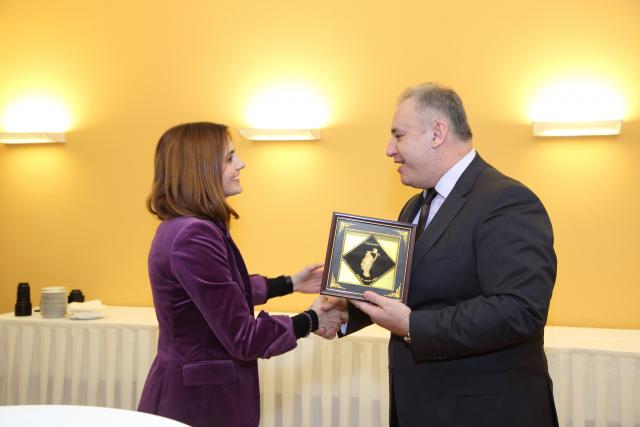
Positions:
{"x": 286, "y": 341}
{"x": 423, "y": 344}
{"x": 258, "y": 289}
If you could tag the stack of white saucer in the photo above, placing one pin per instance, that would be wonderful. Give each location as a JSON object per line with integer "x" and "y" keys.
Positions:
{"x": 53, "y": 301}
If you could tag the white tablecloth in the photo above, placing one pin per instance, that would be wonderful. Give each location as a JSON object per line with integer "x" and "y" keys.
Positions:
{"x": 104, "y": 362}
{"x": 596, "y": 375}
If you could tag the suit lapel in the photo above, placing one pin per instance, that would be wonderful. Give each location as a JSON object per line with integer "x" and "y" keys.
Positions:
{"x": 449, "y": 209}
{"x": 410, "y": 209}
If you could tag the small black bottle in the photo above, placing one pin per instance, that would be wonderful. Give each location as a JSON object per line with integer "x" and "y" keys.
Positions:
{"x": 23, "y": 302}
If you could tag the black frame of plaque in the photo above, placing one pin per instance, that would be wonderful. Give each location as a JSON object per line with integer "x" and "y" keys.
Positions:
{"x": 342, "y": 275}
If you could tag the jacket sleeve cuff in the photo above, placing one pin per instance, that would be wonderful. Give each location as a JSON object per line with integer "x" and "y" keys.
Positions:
{"x": 423, "y": 344}
{"x": 258, "y": 289}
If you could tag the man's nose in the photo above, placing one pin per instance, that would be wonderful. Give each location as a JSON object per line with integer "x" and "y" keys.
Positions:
{"x": 391, "y": 147}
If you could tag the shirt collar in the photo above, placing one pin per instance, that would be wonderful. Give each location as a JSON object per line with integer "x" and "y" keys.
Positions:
{"x": 449, "y": 179}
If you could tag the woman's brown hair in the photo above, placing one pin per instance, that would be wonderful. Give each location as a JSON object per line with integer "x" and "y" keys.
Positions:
{"x": 188, "y": 167}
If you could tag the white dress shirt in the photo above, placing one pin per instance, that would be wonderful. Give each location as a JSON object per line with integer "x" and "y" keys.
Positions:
{"x": 445, "y": 185}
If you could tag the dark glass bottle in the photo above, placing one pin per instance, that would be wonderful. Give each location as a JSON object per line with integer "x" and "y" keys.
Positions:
{"x": 23, "y": 302}
{"x": 75, "y": 295}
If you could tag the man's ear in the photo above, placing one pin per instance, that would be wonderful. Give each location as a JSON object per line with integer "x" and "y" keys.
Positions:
{"x": 439, "y": 132}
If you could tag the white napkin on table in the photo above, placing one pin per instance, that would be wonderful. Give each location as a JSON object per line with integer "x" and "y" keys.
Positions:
{"x": 93, "y": 309}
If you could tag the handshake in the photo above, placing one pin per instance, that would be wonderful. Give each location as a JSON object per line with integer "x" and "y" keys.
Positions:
{"x": 388, "y": 313}
{"x": 332, "y": 312}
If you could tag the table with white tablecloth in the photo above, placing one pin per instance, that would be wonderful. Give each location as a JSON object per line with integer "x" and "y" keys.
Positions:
{"x": 99, "y": 362}
{"x": 104, "y": 362}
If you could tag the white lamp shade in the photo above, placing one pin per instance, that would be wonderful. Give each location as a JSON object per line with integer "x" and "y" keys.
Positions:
{"x": 280, "y": 134}
{"x": 585, "y": 128}
{"x": 31, "y": 137}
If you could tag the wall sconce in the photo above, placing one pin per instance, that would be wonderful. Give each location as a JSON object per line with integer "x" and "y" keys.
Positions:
{"x": 578, "y": 128}
{"x": 286, "y": 112}
{"x": 31, "y": 137}
{"x": 35, "y": 119}
{"x": 577, "y": 106}
{"x": 280, "y": 134}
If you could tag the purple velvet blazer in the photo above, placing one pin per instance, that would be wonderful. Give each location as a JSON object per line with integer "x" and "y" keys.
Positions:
{"x": 206, "y": 370}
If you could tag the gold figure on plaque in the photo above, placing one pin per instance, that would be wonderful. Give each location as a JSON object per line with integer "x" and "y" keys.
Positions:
{"x": 368, "y": 260}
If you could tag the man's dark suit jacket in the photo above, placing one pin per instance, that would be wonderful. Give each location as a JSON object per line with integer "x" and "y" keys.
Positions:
{"x": 481, "y": 281}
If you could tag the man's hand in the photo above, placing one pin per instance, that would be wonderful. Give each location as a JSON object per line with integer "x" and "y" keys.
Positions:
{"x": 337, "y": 303}
{"x": 389, "y": 313}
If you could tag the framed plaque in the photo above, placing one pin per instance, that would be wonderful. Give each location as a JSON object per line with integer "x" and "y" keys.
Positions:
{"x": 368, "y": 254}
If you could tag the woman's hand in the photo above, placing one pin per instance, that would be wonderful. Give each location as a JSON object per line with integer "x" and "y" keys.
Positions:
{"x": 329, "y": 319}
{"x": 328, "y": 323}
{"x": 308, "y": 279}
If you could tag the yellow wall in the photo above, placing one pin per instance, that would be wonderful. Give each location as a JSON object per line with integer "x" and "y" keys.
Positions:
{"x": 74, "y": 215}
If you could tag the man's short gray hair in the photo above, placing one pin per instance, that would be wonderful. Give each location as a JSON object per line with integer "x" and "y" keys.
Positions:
{"x": 444, "y": 100}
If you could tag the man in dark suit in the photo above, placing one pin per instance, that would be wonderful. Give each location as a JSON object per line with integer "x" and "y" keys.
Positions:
{"x": 467, "y": 349}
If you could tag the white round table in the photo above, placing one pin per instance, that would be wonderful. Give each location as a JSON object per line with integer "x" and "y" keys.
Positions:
{"x": 78, "y": 416}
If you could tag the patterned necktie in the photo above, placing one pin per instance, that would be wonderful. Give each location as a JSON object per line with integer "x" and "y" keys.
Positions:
{"x": 424, "y": 210}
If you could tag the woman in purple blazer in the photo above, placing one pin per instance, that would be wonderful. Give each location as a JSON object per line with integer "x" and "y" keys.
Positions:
{"x": 206, "y": 370}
